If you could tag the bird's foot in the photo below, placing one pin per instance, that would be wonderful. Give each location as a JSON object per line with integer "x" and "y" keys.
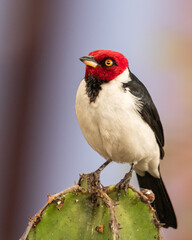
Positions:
{"x": 92, "y": 179}
{"x": 124, "y": 183}
{"x": 92, "y": 183}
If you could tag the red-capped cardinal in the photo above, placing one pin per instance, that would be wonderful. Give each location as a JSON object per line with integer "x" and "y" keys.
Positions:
{"x": 120, "y": 121}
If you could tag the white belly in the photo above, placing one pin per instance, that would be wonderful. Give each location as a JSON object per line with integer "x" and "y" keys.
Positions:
{"x": 113, "y": 127}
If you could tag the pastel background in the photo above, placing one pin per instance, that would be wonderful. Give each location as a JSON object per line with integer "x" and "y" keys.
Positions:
{"x": 42, "y": 149}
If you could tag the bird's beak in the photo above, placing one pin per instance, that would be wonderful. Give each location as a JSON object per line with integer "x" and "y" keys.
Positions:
{"x": 89, "y": 61}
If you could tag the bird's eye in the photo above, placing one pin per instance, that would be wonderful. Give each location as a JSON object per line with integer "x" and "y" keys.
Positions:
{"x": 108, "y": 62}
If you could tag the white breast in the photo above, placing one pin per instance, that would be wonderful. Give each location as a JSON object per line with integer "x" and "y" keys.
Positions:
{"x": 114, "y": 128}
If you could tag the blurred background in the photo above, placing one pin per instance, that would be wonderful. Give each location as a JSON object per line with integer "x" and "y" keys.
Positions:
{"x": 42, "y": 149}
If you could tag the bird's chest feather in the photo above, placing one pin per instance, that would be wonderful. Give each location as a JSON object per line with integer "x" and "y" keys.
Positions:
{"x": 112, "y": 124}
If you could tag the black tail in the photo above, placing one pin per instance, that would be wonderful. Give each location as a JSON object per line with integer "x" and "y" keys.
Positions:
{"x": 162, "y": 203}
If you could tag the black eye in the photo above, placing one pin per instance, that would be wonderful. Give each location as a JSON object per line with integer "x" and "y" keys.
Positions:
{"x": 108, "y": 62}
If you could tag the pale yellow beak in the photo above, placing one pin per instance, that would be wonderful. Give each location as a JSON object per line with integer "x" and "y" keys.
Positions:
{"x": 89, "y": 61}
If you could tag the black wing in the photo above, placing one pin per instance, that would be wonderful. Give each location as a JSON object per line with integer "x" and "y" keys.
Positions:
{"x": 149, "y": 112}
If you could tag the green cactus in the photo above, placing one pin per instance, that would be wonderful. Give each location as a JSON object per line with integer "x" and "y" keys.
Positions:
{"x": 83, "y": 213}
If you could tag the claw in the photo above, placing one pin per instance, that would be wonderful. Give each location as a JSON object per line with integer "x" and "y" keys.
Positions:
{"x": 124, "y": 183}
{"x": 93, "y": 184}
{"x": 93, "y": 179}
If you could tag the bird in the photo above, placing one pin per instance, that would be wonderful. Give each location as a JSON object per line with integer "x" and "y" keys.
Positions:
{"x": 119, "y": 120}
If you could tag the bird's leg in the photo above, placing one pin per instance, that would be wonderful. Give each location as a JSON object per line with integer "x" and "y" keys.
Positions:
{"x": 124, "y": 183}
{"x": 93, "y": 179}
